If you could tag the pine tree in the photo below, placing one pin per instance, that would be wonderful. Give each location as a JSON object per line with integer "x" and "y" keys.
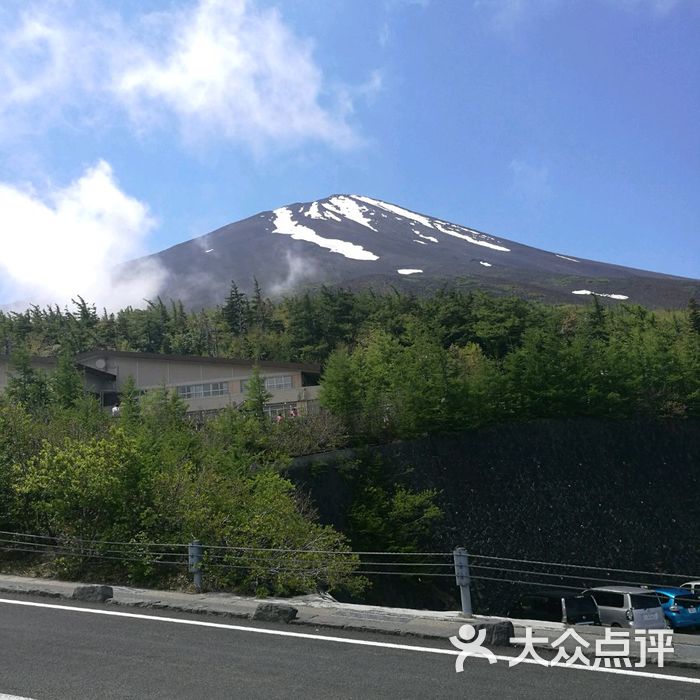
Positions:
{"x": 694, "y": 315}
{"x": 339, "y": 391}
{"x": 129, "y": 407}
{"x": 236, "y": 310}
{"x": 257, "y": 396}
{"x": 260, "y": 307}
{"x": 66, "y": 384}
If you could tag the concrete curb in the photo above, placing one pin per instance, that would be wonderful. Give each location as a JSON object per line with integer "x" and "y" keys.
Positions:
{"x": 323, "y": 612}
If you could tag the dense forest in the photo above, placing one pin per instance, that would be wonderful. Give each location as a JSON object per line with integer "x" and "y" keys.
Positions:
{"x": 394, "y": 366}
{"x": 399, "y": 366}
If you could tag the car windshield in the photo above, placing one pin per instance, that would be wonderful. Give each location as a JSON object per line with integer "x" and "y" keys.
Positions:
{"x": 581, "y": 605}
{"x": 642, "y": 601}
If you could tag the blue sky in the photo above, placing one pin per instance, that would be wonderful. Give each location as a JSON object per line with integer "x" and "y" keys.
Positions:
{"x": 126, "y": 127}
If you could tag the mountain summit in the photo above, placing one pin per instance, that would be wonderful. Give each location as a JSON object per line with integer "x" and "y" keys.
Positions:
{"x": 357, "y": 241}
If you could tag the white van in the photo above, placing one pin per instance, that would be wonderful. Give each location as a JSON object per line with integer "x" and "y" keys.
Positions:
{"x": 628, "y": 606}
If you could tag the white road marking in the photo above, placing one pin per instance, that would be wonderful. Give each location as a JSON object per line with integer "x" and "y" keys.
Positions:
{"x": 340, "y": 640}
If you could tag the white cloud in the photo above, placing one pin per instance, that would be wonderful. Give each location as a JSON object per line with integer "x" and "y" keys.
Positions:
{"x": 68, "y": 241}
{"x": 39, "y": 53}
{"x": 231, "y": 69}
{"x": 51, "y": 61}
{"x": 223, "y": 69}
{"x": 299, "y": 271}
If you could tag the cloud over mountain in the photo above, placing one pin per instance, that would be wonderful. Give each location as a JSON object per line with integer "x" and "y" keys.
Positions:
{"x": 66, "y": 241}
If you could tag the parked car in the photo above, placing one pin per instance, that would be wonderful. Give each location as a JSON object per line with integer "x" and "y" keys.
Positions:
{"x": 681, "y": 608}
{"x": 692, "y": 586}
{"x": 565, "y": 606}
{"x": 628, "y": 606}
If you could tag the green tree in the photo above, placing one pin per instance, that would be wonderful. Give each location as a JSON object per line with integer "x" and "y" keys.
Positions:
{"x": 475, "y": 388}
{"x": 27, "y": 386}
{"x": 260, "y": 307}
{"x": 340, "y": 392}
{"x": 82, "y": 489}
{"x": 129, "y": 406}
{"x": 236, "y": 310}
{"x": 20, "y": 440}
{"x": 386, "y": 515}
{"x": 694, "y": 315}
{"x": 66, "y": 383}
{"x": 257, "y": 396}
{"x": 264, "y": 511}
{"x": 420, "y": 385}
{"x": 374, "y": 363}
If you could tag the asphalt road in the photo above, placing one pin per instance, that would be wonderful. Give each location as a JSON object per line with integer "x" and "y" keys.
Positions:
{"x": 55, "y": 652}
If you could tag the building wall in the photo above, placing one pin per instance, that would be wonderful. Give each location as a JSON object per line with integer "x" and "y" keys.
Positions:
{"x": 174, "y": 373}
{"x": 149, "y": 373}
{"x": 192, "y": 376}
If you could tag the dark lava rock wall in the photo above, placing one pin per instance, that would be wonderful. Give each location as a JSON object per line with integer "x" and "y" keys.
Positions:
{"x": 600, "y": 493}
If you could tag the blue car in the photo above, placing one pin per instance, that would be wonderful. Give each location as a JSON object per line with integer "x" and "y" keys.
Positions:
{"x": 681, "y": 607}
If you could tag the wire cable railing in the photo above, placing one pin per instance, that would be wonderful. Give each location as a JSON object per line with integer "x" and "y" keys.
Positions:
{"x": 310, "y": 561}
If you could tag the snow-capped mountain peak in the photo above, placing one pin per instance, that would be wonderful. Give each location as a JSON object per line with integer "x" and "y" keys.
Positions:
{"x": 356, "y": 240}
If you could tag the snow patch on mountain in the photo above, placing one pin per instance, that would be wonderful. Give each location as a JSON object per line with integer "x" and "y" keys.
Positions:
{"x": 408, "y": 271}
{"x": 394, "y": 209}
{"x": 482, "y": 236}
{"x": 565, "y": 257}
{"x": 313, "y": 211}
{"x": 600, "y": 294}
{"x": 432, "y": 239}
{"x": 470, "y": 239}
{"x": 485, "y": 264}
{"x": 441, "y": 226}
{"x": 350, "y": 209}
{"x": 285, "y": 224}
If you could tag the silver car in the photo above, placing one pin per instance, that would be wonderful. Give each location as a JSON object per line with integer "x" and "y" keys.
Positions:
{"x": 628, "y": 606}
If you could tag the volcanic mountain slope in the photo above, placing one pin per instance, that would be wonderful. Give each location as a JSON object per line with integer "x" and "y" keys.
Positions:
{"x": 356, "y": 241}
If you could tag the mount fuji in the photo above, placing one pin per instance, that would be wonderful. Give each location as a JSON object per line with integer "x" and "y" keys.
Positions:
{"x": 356, "y": 241}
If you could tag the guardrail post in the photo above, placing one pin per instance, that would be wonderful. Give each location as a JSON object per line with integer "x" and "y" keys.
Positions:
{"x": 194, "y": 561}
{"x": 463, "y": 579}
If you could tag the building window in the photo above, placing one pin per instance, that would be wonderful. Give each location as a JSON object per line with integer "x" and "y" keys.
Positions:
{"x": 202, "y": 391}
{"x": 271, "y": 383}
{"x": 275, "y": 383}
